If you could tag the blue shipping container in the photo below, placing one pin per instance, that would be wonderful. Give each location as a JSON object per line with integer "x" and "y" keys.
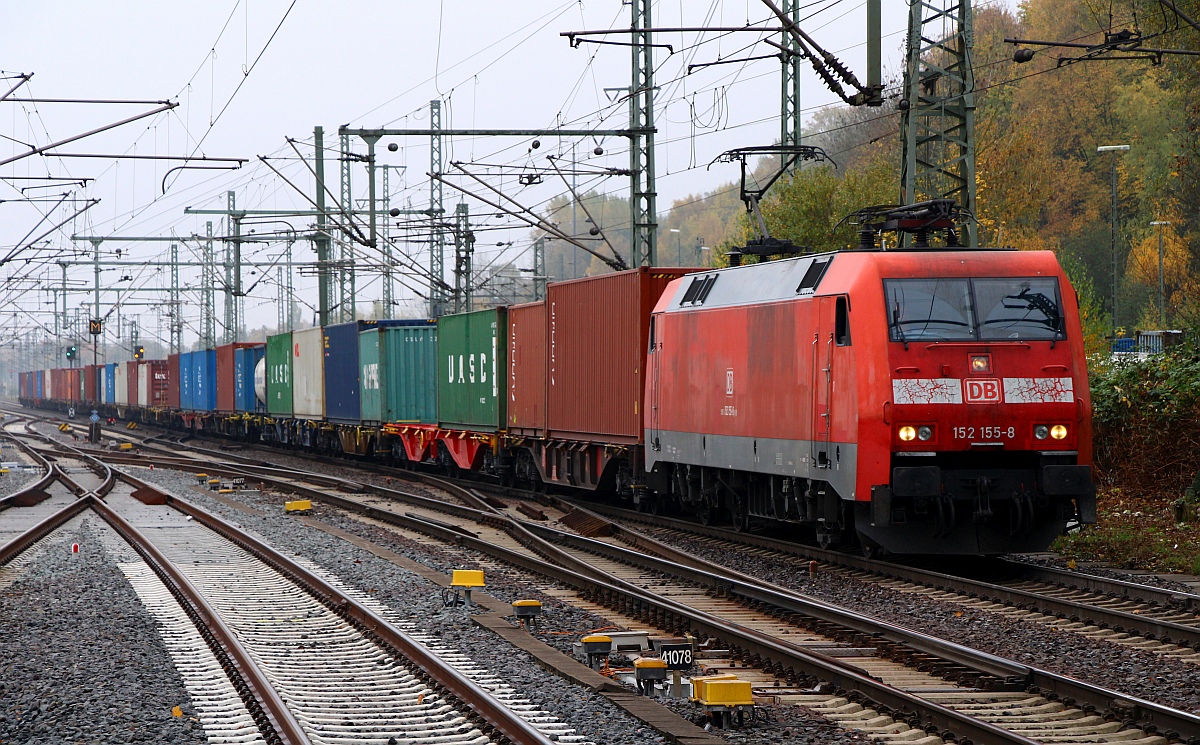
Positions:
{"x": 244, "y": 362}
{"x": 204, "y": 380}
{"x": 342, "y": 400}
{"x": 40, "y": 377}
{"x": 110, "y": 383}
{"x": 185, "y": 381}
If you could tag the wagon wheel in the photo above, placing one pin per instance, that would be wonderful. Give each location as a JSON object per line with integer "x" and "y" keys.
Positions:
{"x": 708, "y": 510}
{"x": 739, "y": 511}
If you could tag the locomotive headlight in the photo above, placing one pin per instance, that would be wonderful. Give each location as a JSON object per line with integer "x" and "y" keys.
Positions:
{"x": 981, "y": 364}
{"x": 924, "y": 433}
{"x": 1058, "y": 432}
{"x": 908, "y": 434}
{"x": 1041, "y": 431}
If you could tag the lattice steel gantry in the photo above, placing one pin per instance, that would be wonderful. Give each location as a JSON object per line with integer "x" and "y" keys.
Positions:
{"x": 937, "y": 123}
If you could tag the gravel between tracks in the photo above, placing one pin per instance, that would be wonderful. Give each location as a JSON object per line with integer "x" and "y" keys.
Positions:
{"x": 1120, "y": 668}
{"x": 81, "y": 660}
{"x": 412, "y": 596}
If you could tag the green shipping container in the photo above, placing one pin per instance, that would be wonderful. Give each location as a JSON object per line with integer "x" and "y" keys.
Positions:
{"x": 279, "y": 375}
{"x": 399, "y": 374}
{"x": 472, "y": 349}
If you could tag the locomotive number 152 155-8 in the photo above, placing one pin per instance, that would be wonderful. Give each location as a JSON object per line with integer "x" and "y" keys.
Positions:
{"x": 987, "y": 433}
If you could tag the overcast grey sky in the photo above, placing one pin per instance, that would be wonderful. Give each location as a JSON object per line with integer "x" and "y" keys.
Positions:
{"x": 241, "y": 93}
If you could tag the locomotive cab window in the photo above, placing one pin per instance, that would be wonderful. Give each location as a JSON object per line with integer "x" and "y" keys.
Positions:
{"x": 992, "y": 308}
{"x": 1019, "y": 308}
{"x": 841, "y": 322}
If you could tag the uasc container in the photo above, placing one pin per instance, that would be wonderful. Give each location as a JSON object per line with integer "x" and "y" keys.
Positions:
{"x": 472, "y": 374}
{"x": 279, "y": 375}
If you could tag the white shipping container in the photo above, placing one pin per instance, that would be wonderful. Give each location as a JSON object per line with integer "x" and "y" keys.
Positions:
{"x": 144, "y": 383}
{"x": 121, "y": 381}
{"x": 308, "y": 373}
{"x": 101, "y": 373}
{"x": 47, "y": 386}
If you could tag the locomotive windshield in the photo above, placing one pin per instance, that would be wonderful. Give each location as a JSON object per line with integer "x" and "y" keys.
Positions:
{"x": 999, "y": 308}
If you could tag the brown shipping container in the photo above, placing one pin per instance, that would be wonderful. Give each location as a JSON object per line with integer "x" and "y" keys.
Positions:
{"x": 226, "y": 384}
{"x": 527, "y": 369}
{"x": 131, "y": 382}
{"x": 158, "y": 380}
{"x": 597, "y": 329}
{"x": 75, "y": 384}
{"x": 173, "y": 381}
{"x": 89, "y": 383}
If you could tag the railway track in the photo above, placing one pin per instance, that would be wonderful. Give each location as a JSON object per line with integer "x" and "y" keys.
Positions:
{"x": 1149, "y": 618}
{"x": 954, "y": 691}
{"x": 309, "y": 661}
{"x": 1133, "y": 614}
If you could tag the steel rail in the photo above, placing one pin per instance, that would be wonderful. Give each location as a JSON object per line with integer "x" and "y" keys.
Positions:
{"x": 1160, "y": 717}
{"x": 270, "y": 711}
{"x": 35, "y": 490}
{"x": 491, "y": 711}
{"x": 921, "y": 712}
{"x": 1182, "y": 600}
{"x": 1107, "y": 618}
{"x": 94, "y": 464}
{"x": 14, "y": 547}
{"x": 1071, "y": 691}
{"x": 275, "y": 721}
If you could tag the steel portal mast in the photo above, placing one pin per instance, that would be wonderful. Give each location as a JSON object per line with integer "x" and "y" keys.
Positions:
{"x": 937, "y": 125}
{"x": 643, "y": 236}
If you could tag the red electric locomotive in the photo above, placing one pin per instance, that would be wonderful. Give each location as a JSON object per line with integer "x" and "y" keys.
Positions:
{"x": 930, "y": 401}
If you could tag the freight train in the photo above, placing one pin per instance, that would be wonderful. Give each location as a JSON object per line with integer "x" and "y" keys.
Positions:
{"x": 920, "y": 401}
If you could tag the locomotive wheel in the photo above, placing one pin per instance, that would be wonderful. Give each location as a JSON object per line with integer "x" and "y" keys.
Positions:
{"x": 870, "y": 549}
{"x": 707, "y": 512}
{"x": 740, "y": 514}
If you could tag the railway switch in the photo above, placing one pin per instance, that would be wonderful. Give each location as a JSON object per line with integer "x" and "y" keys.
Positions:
{"x": 647, "y": 671}
{"x": 597, "y": 648}
{"x": 465, "y": 580}
{"x": 298, "y": 506}
{"x": 527, "y": 611}
{"x": 214, "y": 484}
{"x": 201, "y": 478}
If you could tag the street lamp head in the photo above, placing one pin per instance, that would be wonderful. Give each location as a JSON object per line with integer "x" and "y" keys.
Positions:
{"x": 1112, "y": 148}
{"x": 1161, "y": 222}
{"x": 674, "y": 230}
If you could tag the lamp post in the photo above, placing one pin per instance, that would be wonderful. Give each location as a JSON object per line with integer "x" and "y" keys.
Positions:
{"x": 678, "y": 250}
{"x": 1162, "y": 285}
{"x": 1114, "y": 149}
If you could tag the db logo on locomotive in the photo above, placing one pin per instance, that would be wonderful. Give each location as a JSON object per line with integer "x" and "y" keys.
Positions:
{"x": 982, "y": 391}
